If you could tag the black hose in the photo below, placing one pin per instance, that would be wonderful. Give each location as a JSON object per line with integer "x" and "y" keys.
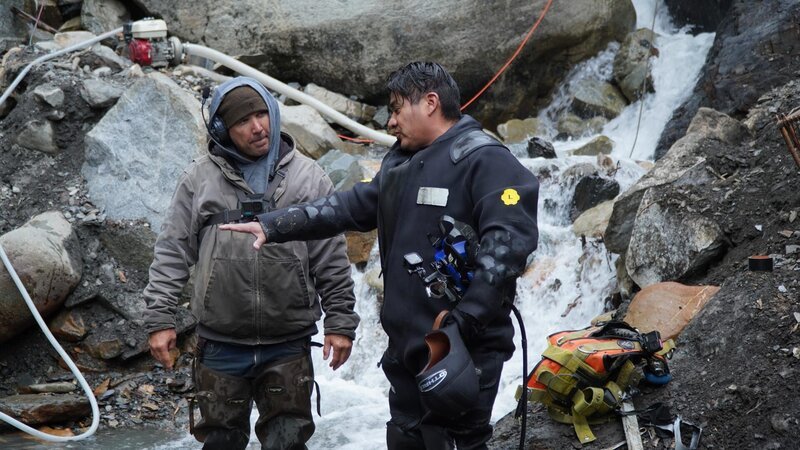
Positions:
{"x": 523, "y": 400}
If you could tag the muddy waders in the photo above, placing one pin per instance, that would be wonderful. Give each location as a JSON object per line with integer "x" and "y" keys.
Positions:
{"x": 281, "y": 390}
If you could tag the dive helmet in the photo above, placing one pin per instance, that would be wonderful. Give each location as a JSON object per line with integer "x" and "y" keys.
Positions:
{"x": 448, "y": 384}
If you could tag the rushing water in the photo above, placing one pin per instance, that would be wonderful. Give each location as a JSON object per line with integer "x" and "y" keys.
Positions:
{"x": 564, "y": 288}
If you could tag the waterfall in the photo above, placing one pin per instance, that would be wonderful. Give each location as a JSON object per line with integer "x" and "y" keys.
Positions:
{"x": 567, "y": 282}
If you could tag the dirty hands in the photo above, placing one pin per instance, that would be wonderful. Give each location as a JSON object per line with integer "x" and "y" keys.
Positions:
{"x": 161, "y": 342}
{"x": 253, "y": 228}
{"x": 341, "y": 346}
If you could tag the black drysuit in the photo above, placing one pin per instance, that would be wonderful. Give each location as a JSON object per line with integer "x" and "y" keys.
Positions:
{"x": 474, "y": 179}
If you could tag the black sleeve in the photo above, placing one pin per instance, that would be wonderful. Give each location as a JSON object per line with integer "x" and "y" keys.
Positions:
{"x": 505, "y": 196}
{"x": 325, "y": 217}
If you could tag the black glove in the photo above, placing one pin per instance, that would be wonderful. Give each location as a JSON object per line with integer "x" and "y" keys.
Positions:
{"x": 468, "y": 326}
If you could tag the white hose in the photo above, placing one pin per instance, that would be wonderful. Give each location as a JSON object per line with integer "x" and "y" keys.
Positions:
{"x": 86, "y": 389}
{"x": 44, "y": 58}
{"x": 294, "y": 94}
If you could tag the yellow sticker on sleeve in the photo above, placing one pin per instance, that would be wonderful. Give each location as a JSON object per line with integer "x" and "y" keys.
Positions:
{"x": 510, "y": 197}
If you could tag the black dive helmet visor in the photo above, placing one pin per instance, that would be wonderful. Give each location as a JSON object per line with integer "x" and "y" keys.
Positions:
{"x": 448, "y": 384}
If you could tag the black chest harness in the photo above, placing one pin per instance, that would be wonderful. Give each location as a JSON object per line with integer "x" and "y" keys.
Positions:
{"x": 249, "y": 205}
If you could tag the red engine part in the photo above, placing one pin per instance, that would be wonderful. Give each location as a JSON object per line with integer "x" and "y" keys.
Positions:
{"x": 141, "y": 52}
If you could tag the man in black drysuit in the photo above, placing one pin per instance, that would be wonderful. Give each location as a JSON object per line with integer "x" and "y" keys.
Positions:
{"x": 441, "y": 164}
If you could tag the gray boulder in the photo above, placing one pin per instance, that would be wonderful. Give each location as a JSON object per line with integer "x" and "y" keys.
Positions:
{"x": 46, "y": 256}
{"x": 99, "y": 16}
{"x": 683, "y": 164}
{"x": 99, "y": 94}
{"x": 595, "y": 97}
{"x": 351, "y": 46}
{"x": 630, "y": 64}
{"x": 669, "y": 242}
{"x": 136, "y": 153}
{"x": 342, "y": 168}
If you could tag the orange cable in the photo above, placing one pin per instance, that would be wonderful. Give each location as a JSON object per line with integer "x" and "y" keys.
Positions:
{"x": 359, "y": 141}
{"x": 514, "y": 56}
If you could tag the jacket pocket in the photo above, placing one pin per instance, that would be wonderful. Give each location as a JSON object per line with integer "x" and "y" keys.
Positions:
{"x": 285, "y": 302}
{"x": 228, "y": 305}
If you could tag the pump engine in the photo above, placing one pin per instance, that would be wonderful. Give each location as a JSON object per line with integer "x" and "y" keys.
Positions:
{"x": 148, "y": 44}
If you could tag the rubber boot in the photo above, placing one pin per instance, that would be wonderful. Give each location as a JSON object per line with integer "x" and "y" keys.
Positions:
{"x": 282, "y": 392}
{"x": 428, "y": 437}
{"x": 225, "y": 403}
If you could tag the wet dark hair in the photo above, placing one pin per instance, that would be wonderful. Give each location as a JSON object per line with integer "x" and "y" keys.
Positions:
{"x": 418, "y": 78}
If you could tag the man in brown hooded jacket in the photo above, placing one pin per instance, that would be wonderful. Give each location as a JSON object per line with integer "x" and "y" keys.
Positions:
{"x": 256, "y": 312}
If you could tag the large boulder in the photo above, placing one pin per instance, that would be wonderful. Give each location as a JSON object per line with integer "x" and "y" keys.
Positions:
{"x": 755, "y": 49}
{"x": 669, "y": 241}
{"x": 136, "y": 153}
{"x": 99, "y": 16}
{"x": 703, "y": 15}
{"x": 312, "y": 134}
{"x": 683, "y": 165}
{"x": 12, "y": 30}
{"x": 352, "y": 46}
{"x": 46, "y": 256}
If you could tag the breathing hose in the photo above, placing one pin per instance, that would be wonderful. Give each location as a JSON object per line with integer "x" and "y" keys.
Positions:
{"x": 72, "y": 367}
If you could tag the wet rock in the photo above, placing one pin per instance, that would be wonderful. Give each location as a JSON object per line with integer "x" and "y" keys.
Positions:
{"x": 119, "y": 167}
{"x": 703, "y": 15}
{"x": 598, "y": 145}
{"x": 103, "y": 346}
{"x": 685, "y": 164}
{"x": 516, "y": 130}
{"x": 49, "y": 94}
{"x": 593, "y": 221}
{"x": 68, "y": 326}
{"x": 630, "y": 64}
{"x": 38, "y": 135}
{"x": 685, "y": 243}
{"x": 357, "y": 111}
{"x": 594, "y": 97}
{"x": 668, "y": 307}
{"x": 312, "y": 133}
{"x": 70, "y": 38}
{"x": 38, "y": 409}
{"x": 359, "y": 245}
{"x": 46, "y": 256}
{"x": 540, "y": 148}
{"x": 381, "y": 117}
{"x": 580, "y": 170}
{"x": 342, "y": 168}
{"x": 99, "y": 16}
{"x": 570, "y": 125}
{"x": 591, "y": 191}
{"x": 99, "y": 94}
{"x": 374, "y": 279}
{"x": 55, "y": 388}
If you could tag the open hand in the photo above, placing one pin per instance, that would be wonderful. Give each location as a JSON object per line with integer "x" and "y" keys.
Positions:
{"x": 253, "y": 228}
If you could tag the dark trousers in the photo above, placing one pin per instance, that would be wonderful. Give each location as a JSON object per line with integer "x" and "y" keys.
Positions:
{"x": 277, "y": 378}
{"x": 412, "y": 426}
